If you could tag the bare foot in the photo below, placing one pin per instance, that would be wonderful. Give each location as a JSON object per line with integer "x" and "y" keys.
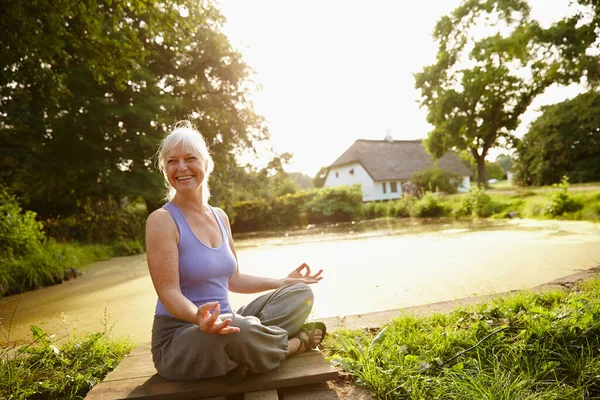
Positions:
{"x": 301, "y": 342}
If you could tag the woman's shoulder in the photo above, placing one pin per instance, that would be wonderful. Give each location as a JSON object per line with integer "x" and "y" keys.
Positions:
{"x": 159, "y": 218}
{"x": 221, "y": 213}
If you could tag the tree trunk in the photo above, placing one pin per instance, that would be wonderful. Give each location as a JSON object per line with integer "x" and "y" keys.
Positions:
{"x": 481, "y": 171}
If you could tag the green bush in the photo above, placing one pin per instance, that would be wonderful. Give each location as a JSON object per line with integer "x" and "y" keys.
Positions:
{"x": 369, "y": 210}
{"x": 477, "y": 204}
{"x": 298, "y": 209}
{"x": 430, "y": 205}
{"x": 437, "y": 180}
{"x": 250, "y": 216}
{"x": 29, "y": 260}
{"x": 559, "y": 201}
{"x": 100, "y": 222}
{"x": 20, "y": 233}
{"x": 337, "y": 204}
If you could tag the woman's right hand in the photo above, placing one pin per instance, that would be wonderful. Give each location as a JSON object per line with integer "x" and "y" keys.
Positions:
{"x": 212, "y": 324}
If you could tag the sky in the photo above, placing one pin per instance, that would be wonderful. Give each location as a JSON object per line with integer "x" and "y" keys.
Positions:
{"x": 333, "y": 71}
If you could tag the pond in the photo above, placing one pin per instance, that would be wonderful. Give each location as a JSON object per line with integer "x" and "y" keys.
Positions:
{"x": 370, "y": 266}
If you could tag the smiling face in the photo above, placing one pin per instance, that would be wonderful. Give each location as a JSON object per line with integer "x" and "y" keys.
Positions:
{"x": 185, "y": 161}
{"x": 185, "y": 169}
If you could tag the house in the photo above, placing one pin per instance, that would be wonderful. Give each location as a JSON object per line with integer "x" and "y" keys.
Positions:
{"x": 382, "y": 166}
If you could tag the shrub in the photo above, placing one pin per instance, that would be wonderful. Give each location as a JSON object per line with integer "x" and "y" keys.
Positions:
{"x": 437, "y": 180}
{"x": 369, "y": 210}
{"x": 476, "y": 204}
{"x": 20, "y": 233}
{"x": 559, "y": 200}
{"x": 313, "y": 206}
{"x": 430, "y": 205}
{"x": 336, "y": 204}
{"x": 250, "y": 215}
{"x": 100, "y": 222}
{"x": 402, "y": 208}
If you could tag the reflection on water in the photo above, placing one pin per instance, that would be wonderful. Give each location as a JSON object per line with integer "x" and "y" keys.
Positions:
{"x": 364, "y": 229}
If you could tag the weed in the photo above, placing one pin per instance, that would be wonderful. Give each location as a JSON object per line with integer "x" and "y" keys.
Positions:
{"x": 43, "y": 370}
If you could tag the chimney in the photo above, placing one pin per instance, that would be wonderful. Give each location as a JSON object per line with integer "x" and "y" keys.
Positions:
{"x": 388, "y": 135}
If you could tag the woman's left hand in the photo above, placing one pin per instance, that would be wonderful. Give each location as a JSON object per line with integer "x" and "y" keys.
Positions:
{"x": 298, "y": 276}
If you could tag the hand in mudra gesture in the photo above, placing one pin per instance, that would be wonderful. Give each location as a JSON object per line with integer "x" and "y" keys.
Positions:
{"x": 302, "y": 275}
{"x": 212, "y": 324}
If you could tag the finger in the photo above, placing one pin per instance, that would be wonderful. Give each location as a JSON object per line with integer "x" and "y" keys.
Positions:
{"x": 215, "y": 315}
{"x": 228, "y": 330}
{"x": 207, "y": 322}
{"x": 207, "y": 307}
{"x": 203, "y": 314}
{"x": 216, "y": 328}
{"x": 317, "y": 274}
{"x": 307, "y": 273}
{"x": 301, "y": 267}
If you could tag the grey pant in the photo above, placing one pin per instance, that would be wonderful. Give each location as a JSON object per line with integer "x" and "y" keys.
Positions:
{"x": 181, "y": 351}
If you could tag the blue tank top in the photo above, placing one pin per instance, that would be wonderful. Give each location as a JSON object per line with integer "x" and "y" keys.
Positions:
{"x": 204, "y": 271}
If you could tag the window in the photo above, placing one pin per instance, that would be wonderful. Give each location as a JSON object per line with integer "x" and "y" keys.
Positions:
{"x": 394, "y": 187}
{"x": 351, "y": 171}
{"x": 384, "y": 188}
{"x": 337, "y": 175}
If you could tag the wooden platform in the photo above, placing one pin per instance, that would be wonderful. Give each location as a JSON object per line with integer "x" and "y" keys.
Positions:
{"x": 136, "y": 378}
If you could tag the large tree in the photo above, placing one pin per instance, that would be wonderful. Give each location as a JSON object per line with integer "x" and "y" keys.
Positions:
{"x": 89, "y": 88}
{"x": 564, "y": 140}
{"x": 575, "y": 42}
{"x": 480, "y": 86}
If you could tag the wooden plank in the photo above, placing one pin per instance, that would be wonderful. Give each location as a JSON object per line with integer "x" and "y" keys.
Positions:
{"x": 214, "y": 398}
{"x": 262, "y": 395}
{"x": 136, "y": 378}
{"x": 317, "y": 391}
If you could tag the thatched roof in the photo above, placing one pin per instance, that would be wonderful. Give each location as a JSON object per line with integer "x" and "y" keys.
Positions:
{"x": 396, "y": 160}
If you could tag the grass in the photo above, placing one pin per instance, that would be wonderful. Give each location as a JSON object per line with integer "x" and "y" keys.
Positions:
{"x": 508, "y": 185}
{"x": 525, "y": 346}
{"x": 42, "y": 370}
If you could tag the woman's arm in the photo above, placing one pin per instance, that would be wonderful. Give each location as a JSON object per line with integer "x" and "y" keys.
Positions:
{"x": 163, "y": 262}
{"x": 244, "y": 283}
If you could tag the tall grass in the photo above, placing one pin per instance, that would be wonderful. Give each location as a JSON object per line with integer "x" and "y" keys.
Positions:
{"x": 50, "y": 263}
{"x": 43, "y": 370}
{"x": 526, "y": 346}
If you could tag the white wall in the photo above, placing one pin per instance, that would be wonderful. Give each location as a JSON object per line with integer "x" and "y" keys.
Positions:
{"x": 371, "y": 190}
{"x": 465, "y": 185}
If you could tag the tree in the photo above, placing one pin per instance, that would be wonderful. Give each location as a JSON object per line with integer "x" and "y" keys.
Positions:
{"x": 564, "y": 140}
{"x": 479, "y": 87}
{"x": 88, "y": 89}
{"x": 266, "y": 183}
{"x": 303, "y": 180}
{"x": 494, "y": 171}
{"x": 574, "y": 40}
{"x": 505, "y": 161}
{"x": 319, "y": 179}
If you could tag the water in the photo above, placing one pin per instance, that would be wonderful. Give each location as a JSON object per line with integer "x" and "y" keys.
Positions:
{"x": 369, "y": 266}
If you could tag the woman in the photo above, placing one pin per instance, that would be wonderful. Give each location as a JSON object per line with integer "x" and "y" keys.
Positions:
{"x": 193, "y": 265}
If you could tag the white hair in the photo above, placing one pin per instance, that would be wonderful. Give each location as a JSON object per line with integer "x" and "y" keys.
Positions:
{"x": 185, "y": 135}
